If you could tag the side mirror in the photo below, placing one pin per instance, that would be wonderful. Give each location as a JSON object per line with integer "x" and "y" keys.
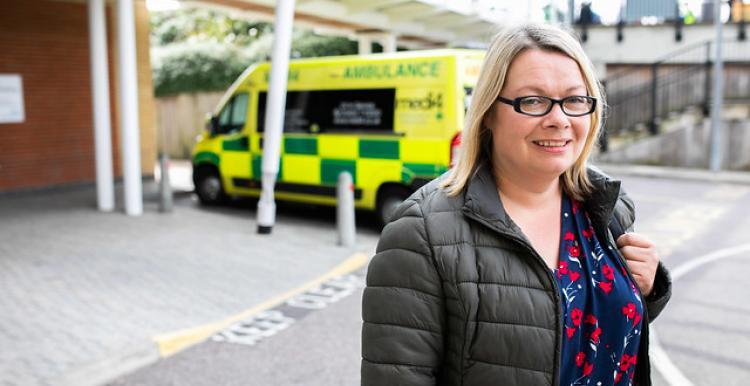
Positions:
{"x": 212, "y": 124}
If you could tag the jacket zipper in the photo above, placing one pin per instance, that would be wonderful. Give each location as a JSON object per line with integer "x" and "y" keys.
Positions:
{"x": 556, "y": 290}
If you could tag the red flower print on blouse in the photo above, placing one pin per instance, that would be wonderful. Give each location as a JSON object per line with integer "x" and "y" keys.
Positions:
{"x": 618, "y": 377}
{"x": 590, "y": 319}
{"x": 575, "y": 206}
{"x": 608, "y": 272}
{"x": 574, "y": 251}
{"x": 562, "y": 269}
{"x": 595, "y": 335}
{"x": 629, "y": 310}
{"x": 576, "y": 315}
{"x": 587, "y": 233}
{"x": 606, "y": 287}
{"x": 626, "y": 361}
{"x": 587, "y": 368}
{"x": 580, "y": 358}
{"x": 569, "y": 236}
{"x": 574, "y": 275}
{"x": 570, "y": 331}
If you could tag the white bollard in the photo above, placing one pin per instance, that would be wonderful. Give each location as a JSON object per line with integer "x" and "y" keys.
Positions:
{"x": 345, "y": 210}
{"x": 165, "y": 187}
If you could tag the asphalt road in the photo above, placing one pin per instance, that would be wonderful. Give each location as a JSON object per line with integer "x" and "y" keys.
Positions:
{"x": 704, "y": 331}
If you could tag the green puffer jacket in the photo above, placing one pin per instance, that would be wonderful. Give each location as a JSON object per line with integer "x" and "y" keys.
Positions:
{"x": 456, "y": 295}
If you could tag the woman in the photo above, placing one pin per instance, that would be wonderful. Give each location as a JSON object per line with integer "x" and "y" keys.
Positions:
{"x": 513, "y": 269}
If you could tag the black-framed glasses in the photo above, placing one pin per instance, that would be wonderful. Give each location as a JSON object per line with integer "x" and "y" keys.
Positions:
{"x": 537, "y": 105}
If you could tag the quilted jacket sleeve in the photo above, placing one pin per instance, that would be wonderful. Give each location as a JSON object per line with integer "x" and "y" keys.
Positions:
{"x": 402, "y": 307}
{"x": 657, "y": 300}
{"x": 662, "y": 292}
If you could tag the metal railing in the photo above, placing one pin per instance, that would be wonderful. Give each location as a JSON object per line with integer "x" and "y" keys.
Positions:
{"x": 641, "y": 96}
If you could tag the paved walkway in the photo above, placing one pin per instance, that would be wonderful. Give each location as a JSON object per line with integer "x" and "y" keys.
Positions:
{"x": 84, "y": 292}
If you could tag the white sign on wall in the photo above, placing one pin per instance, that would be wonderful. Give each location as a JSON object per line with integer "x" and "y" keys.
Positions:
{"x": 11, "y": 99}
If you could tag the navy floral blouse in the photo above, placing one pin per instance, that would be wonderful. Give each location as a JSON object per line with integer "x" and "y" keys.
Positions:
{"x": 601, "y": 307}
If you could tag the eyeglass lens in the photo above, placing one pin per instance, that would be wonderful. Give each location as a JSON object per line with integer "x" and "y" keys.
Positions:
{"x": 540, "y": 105}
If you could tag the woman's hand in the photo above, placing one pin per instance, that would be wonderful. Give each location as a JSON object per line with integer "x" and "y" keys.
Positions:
{"x": 642, "y": 259}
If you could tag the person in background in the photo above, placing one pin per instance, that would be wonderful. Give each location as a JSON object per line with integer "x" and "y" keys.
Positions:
{"x": 519, "y": 265}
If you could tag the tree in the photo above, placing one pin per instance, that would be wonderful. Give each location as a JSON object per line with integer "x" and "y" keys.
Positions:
{"x": 205, "y": 50}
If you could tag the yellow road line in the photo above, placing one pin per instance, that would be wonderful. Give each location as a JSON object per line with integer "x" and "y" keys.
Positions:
{"x": 174, "y": 342}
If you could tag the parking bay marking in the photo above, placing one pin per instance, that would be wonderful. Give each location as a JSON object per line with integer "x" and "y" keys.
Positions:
{"x": 267, "y": 323}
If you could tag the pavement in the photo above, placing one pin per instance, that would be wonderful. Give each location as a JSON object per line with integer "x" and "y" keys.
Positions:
{"x": 723, "y": 176}
{"x": 90, "y": 296}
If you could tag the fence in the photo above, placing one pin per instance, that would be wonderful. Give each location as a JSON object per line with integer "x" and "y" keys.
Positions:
{"x": 180, "y": 119}
{"x": 643, "y": 95}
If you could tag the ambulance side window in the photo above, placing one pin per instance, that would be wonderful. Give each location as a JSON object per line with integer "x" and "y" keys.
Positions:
{"x": 232, "y": 117}
{"x": 346, "y": 111}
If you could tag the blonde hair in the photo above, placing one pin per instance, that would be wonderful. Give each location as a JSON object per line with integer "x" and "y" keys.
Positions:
{"x": 476, "y": 139}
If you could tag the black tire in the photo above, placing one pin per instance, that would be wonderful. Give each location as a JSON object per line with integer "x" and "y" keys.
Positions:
{"x": 388, "y": 199}
{"x": 208, "y": 186}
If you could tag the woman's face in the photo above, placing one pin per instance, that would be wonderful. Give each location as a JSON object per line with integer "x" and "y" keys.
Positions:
{"x": 543, "y": 146}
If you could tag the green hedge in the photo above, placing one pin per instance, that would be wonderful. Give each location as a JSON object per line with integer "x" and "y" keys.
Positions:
{"x": 194, "y": 67}
{"x": 190, "y": 67}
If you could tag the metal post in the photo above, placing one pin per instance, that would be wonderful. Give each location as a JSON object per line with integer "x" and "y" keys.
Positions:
{"x": 621, "y": 23}
{"x": 707, "y": 82}
{"x": 105, "y": 186}
{"x": 129, "y": 133}
{"x": 282, "y": 44}
{"x": 718, "y": 91}
{"x": 604, "y": 134}
{"x": 677, "y": 22}
{"x": 345, "y": 210}
{"x": 572, "y": 12}
{"x": 652, "y": 128}
{"x": 165, "y": 187}
{"x": 741, "y": 35}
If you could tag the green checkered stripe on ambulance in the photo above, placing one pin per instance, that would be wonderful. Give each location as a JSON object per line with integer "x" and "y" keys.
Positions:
{"x": 319, "y": 160}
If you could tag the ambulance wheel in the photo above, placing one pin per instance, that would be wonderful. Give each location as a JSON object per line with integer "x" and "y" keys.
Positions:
{"x": 388, "y": 199}
{"x": 208, "y": 186}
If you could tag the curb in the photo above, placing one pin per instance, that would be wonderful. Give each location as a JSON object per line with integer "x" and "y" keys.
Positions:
{"x": 732, "y": 177}
{"x": 172, "y": 343}
{"x": 162, "y": 346}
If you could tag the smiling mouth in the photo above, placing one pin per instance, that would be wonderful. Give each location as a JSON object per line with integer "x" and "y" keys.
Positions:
{"x": 553, "y": 143}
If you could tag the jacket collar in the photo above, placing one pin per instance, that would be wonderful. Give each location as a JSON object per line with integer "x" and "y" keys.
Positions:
{"x": 482, "y": 201}
{"x": 601, "y": 203}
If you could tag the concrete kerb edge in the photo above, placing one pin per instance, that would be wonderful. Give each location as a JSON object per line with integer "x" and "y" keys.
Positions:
{"x": 174, "y": 342}
{"x": 732, "y": 177}
{"x": 165, "y": 345}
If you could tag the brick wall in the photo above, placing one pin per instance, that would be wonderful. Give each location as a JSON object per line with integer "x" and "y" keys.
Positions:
{"x": 47, "y": 43}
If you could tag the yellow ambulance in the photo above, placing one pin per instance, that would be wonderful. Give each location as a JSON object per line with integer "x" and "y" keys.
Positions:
{"x": 391, "y": 120}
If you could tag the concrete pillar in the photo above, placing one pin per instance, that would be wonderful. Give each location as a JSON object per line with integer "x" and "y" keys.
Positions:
{"x": 389, "y": 43}
{"x": 105, "y": 191}
{"x": 365, "y": 45}
{"x": 718, "y": 94}
{"x": 274, "y": 124}
{"x": 128, "y": 87}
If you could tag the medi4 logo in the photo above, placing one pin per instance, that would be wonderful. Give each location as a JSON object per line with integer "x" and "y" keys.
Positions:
{"x": 431, "y": 101}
